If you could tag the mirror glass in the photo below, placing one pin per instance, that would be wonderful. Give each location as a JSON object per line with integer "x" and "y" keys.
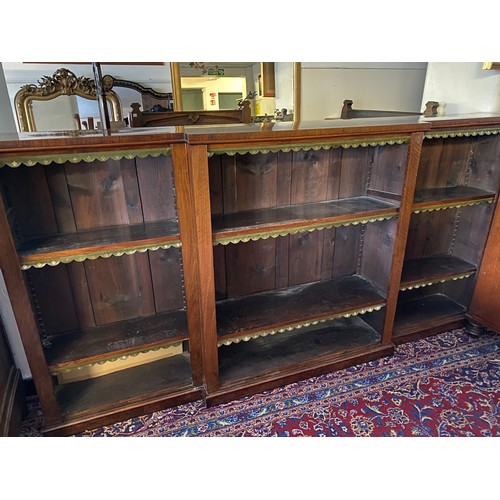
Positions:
{"x": 205, "y": 86}
{"x": 57, "y": 114}
{"x": 219, "y": 85}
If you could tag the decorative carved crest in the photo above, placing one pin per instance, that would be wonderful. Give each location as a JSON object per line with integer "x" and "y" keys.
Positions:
{"x": 62, "y": 82}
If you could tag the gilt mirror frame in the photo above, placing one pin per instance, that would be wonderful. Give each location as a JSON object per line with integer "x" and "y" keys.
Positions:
{"x": 63, "y": 82}
{"x": 177, "y": 94}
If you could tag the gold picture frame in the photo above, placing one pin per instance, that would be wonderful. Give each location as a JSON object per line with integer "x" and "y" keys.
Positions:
{"x": 62, "y": 82}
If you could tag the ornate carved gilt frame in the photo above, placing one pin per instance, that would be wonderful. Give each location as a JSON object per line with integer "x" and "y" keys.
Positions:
{"x": 63, "y": 82}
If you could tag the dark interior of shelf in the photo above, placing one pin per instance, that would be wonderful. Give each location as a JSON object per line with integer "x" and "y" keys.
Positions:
{"x": 426, "y": 312}
{"x": 162, "y": 375}
{"x": 295, "y": 304}
{"x": 309, "y": 212}
{"x": 424, "y": 196}
{"x": 268, "y": 354}
{"x": 104, "y": 236}
{"x": 115, "y": 339}
{"x": 433, "y": 267}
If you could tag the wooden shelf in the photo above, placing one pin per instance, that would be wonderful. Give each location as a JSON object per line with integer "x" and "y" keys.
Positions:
{"x": 105, "y": 241}
{"x": 72, "y": 349}
{"x": 279, "y": 221}
{"x": 449, "y": 197}
{"x": 295, "y": 307}
{"x": 262, "y": 357}
{"x": 425, "y": 313}
{"x": 434, "y": 269}
{"x": 150, "y": 380}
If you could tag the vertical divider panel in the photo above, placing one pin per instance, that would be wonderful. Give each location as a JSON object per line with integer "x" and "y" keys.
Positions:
{"x": 193, "y": 203}
{"x": 410, "y": 179}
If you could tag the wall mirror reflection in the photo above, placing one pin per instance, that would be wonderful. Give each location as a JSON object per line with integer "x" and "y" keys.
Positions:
{"x": 148, "y": 84}
{"x": 269, "y": 86}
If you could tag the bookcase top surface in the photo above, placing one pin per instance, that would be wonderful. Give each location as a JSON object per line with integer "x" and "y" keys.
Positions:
{"x": 131, "y": 138}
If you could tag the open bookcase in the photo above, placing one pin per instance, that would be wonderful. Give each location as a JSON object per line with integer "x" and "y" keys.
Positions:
{"x": 457, "y": 184}
{"x": 147, "y": 268}
{"x": 303, "y": 250}
{"x": 99, "y": 246}
{"x": 306, "y": 242}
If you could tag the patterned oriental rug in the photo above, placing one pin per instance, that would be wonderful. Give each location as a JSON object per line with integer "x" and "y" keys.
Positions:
{"x": 445, "y": 385}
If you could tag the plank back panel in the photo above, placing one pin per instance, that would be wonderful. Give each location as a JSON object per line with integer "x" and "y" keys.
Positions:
{"x": 53, "y": 295}
{"x": 239, "y": 183}
{"x": 309, "y": 182}
{"x": 377, "y": 252}
{"x": 120, "y": 287}
{"x": 430, "y": 233}
{"x": 444, "y": 162}
{"x": 27, "y": 190}
{"x": 388, "y": 169}
{"x": 156, "y": 186}
{"x": 485, "y": 173}
{"x": 471, "y": 232}
{"x": 354, "y": 171}
{"x": 104, "y": 193}
{"x": 250, "y": 181}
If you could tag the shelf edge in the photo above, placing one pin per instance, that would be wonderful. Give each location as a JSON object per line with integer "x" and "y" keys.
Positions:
{"x": 33, "y": 160}
{"x": 275, "y": 233}
{"x": 301, "y": 324}
{"x": 437, "y": 280}
{"x": 28, "y": 262}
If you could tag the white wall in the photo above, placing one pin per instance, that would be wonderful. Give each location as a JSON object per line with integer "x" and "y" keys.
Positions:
{"x": 7, "y": 120}
{"x": 12, "y": 331}
{"x": 391, "y": 86}
{"x": 462, "y": 87}
{"x": 284, "y": 86}
{"x": 210, "y": 85}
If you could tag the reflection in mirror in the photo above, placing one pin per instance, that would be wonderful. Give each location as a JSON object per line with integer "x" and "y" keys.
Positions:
{"x": 65, "y": 87}
{"x": 221, "y": 85}
{"x": 129, "y": 81}
{"x": 155, "y": 84}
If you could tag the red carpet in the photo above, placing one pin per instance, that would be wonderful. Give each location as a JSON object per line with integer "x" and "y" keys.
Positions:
{"x": 445, "y": 385}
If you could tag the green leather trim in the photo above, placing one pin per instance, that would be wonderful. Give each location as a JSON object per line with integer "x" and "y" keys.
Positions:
{"x": 32, "y": 160}
{"x": 274, "y": 148}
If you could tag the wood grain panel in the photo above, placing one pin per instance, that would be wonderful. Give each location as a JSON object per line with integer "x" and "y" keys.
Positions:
{"x": 485, "y": 173}
{"x": 353, "y": 175}
{"x": 255, "y": 181}
{"x": 346, "y": 250}
{"x": 388, "y": 169}
{"x": 309, "y": 176}
{"x": 471, "y": 232}
{"x": 444, "y": 162}
{"x": 306, "y": 257}
{"x": 251, "y": 267}
{"x": 26, "y": 188}
{"x": 377, "y": 253}
{"x": 100, "y": 191}
{"x": 485, "y": 303}
{"x": 167, "y": 279}
{"x": 430, "y": 233}
{"x": 156, "y": 185}
{"x": 120, "y": 287}
{"x": 53, "y": 292}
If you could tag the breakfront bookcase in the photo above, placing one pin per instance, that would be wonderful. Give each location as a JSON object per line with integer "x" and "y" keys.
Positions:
{"x": 148, "y": 268}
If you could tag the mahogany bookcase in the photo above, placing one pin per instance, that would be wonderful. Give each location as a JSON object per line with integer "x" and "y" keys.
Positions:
{"x": 149, "y": 268}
